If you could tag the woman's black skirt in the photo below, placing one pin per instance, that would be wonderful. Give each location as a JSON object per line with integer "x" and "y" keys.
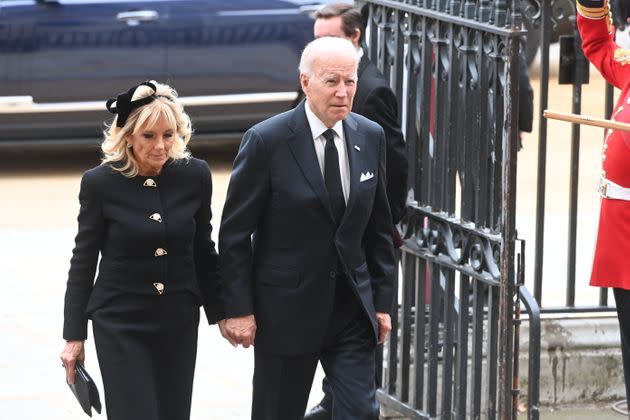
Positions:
{"x": 147, "y": 349}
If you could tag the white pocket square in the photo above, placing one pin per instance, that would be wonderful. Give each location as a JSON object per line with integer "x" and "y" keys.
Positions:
{"x": 366, "y": 176}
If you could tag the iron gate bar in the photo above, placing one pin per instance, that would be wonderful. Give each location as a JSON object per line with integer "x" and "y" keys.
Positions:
{"x": 533, "y": 378}
{"x": 420, "y": 319}
{"x": 448, "y": 344}
{"x": 545, "y": 31}
{"x": 407, "y": 299}
{"x": 603, "y": 292}
{"x": 392, "y": 362}
{"x": 574, "y": 170}
{"x": 479, "y": 291}
{"x": 461, "y": 370}
{"x": 506, "y": 307}
{"x": 432, "y": 370}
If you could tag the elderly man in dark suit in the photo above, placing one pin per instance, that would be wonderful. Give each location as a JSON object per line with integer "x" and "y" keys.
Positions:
{"x": 306, "y": 253}
{"x": 375, "y": 100}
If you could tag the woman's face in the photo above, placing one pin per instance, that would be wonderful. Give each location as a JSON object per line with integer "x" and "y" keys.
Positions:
{"x": 151, "y": 146}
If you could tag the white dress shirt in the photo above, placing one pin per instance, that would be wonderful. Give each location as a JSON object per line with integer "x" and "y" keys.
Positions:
{"x": 317, "y": 130}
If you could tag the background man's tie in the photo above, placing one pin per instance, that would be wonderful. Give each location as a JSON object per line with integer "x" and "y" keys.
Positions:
{"x": 332, "y": 176}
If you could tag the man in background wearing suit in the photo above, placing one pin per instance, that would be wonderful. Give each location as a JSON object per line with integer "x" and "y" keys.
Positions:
{"x": 306, "y": 253}
{"x": 375, "y": 100}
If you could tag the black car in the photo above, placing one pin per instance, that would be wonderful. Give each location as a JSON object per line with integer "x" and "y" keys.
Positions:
{"x": 233, "y": 62}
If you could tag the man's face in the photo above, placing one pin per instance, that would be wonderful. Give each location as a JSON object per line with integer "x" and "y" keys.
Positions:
{"x": 330, "y": 89}
{"x": 333, "y": 27}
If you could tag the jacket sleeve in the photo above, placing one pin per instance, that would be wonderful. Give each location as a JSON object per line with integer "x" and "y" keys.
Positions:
{"x": 206, "y": 258}
{"x": 377, "y": 241}
{"x": 598, "y": 42}
{"x": 88, "y": 244}
{"x": 381, "y": 107}
{"x": 246, "y": 198}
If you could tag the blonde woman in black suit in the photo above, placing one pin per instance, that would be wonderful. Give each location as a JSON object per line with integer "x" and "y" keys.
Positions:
{"x": 146, "y": 211}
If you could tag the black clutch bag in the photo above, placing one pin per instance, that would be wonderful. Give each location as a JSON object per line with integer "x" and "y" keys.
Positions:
{"x": 85, "y": 390}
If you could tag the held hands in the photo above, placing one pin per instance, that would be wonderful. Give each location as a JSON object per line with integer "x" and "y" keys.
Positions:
{"x": 240, "y": 330}
{"x": 72, "y": 353}
{"x": 384, "y": 326}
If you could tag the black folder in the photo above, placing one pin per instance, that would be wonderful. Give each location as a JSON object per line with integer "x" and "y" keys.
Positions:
{"x": 85, "y": 390}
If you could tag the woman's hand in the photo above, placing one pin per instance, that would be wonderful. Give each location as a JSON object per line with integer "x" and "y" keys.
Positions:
{"x": 72, "y": 353}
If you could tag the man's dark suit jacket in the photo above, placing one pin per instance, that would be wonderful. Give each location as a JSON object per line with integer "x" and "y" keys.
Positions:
{"x": 375, "y": 100}
{"x": 114, "y": 221}
{"x": 285, "y": 273}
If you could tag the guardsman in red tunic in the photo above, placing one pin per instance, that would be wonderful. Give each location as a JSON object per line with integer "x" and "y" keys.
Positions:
{"x": 611, "y": 265}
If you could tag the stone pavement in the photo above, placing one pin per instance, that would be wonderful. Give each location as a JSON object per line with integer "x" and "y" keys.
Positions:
{"x": 592, "y": 413}
{"x": 32, "y": 385}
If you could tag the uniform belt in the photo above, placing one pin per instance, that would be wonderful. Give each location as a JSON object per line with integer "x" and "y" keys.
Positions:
{"x": 609, "y": 189}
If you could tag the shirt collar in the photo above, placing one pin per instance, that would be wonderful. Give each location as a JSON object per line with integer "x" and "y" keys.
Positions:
{"x": 318, "y": 127}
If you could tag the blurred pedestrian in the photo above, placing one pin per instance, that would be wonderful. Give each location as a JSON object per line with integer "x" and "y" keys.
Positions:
{"x": 146, "y": 211}
{"x": 610, "y": 265}
{"x": 620, "y": 13}
{"x": 525, "y": 100}
{"x": 305, "y": 245}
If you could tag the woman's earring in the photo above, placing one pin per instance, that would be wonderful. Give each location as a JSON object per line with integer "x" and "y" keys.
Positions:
{"x": 128, "y": 145}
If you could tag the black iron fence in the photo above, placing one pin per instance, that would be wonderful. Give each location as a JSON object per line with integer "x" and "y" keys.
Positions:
{"x": 454, "y": 67}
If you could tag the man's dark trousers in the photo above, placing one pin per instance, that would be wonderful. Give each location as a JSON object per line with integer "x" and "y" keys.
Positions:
{"x": 282, "y": 383}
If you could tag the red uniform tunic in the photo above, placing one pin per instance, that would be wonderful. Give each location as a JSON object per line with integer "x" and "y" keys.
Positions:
{"x": 611, "y": 265}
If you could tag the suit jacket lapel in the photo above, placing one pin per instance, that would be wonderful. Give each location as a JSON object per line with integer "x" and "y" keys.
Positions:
{"x": 353, "y": 138}
{"x": 303, "y": 150}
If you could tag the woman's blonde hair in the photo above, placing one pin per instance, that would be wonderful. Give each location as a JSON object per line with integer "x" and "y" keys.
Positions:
{"x": 114, "y": 146}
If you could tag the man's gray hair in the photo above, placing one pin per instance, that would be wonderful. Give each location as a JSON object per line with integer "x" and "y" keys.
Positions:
{"x": 322, "y": 46}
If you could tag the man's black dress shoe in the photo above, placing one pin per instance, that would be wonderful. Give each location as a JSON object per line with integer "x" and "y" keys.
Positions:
{"x": 318, "y": 412}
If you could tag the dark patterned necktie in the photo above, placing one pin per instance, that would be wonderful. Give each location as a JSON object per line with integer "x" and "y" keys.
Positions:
{"x": 332, "y": 176}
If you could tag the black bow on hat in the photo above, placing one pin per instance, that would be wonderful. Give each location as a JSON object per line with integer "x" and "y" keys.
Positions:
{"x": 124, "y": 105}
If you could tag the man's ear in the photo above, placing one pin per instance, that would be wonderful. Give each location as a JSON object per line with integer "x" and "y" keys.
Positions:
{"x": 304, "y": 82}
{"x": 356, "y": 38}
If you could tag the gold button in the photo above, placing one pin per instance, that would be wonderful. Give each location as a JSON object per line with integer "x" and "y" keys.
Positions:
{"x": 159, "y": 252}
{"x": 159, "y": 287}
{"x": 149, "y": 183}
{"x": 156, "y": 217}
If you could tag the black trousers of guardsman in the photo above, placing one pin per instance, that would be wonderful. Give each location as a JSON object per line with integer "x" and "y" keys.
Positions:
{"x": 147, "y": 348}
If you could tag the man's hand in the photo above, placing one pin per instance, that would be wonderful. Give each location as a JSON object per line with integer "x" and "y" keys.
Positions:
{"x": 72, "y": 353}
{"x": 240, "y": 330}
{"x": 384, "y": 326}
